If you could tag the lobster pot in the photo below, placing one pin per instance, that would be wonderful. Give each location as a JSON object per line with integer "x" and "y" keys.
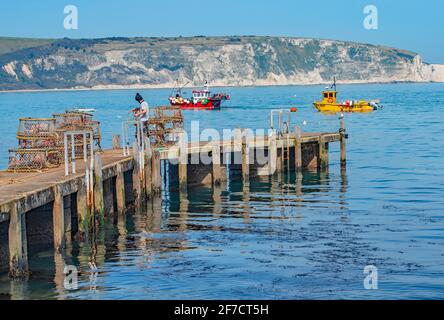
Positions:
{"x": 36, "y": 127}
{"x": 29, "y": 142}
{"x": 171, "y": 114}
{"x": 163, "y": 128}
{"x": 163, "y": 133}
{"x": 79, "y": 152}
{"x": 72, "y": 120}
{"x": 32, "y": 160}
{"x": 78, "y": 146}
{"x": 78, "y": 139}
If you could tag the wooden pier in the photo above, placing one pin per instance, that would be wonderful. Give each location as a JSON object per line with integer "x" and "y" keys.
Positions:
{"x": 120, "y": 181}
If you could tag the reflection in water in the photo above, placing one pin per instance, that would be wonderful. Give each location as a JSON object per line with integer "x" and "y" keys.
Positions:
{"x": 18, "y": 289}
{"x": 308, "y": 235}
{"x": 59, "y": 275}
{"x": 286, "y": 236}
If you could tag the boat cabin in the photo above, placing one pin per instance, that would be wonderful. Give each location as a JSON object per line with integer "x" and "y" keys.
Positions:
{"x": 199, "y": 95}
{"x": 329, "y": 96}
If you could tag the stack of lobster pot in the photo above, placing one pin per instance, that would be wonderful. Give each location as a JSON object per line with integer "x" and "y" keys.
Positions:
{"x": 41, "y": 140}
{"x": 164, "y": 127}
{"x": 76, "y": 121}
{"x": 37, "y": 141}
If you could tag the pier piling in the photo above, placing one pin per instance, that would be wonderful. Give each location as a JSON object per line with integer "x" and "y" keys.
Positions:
{"x": 58, "y": 218}
{"x": 217, "y": 174}
{"x": 83, "y": 211}
{"x": 21, "y": 193}
{"x": 18, "y": 251}
{"x": 272, "y": 153}
{"x": 137, "y": 188}
{"x": 245, "y": 151}
{"x": 99, "y": 207}
{"x": 297, "y": 149}
{"x": 342, "y": 141}
{"x": 183, "y": 162}
{"x": 120, "y": 189}
{"x": 157, "y": 178}
{"x": 323, "y": 154}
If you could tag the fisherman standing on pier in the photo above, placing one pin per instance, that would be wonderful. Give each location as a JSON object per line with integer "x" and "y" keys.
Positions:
{"x": 143, "y": 112}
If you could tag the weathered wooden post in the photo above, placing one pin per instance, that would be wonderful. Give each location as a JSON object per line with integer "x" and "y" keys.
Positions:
{"x": 216, "y": 164}
{"x": 272, "y": 153}
{"x": 237, "y": 146}
{"x": 99, "y": 208}
{"x": 120, "y": 189}
{"x": 155, "y": 171}
{"x": 116, "y": 141}
{"x": 137, "y": 188}
{"x": 18, "y": 250}
{"x": 148, "y": 167}
{"x": 245, "y": 152}
{"x": 342, "y": 133}
{"x": 83, "y": 210}
{"x": 278, "y": 156}
{"x": 183, "y": 162}
{"x": 323, "y": 153}
{"x": 297, "y": 149}
{"x": 58, "y": 220}
{"x": 288, "y": 151}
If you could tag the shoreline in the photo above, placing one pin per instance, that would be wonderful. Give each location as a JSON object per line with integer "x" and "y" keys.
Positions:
{"x": 169, "y": 86}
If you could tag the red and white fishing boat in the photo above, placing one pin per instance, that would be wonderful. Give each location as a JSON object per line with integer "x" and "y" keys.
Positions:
{"x": 201, "y": 99}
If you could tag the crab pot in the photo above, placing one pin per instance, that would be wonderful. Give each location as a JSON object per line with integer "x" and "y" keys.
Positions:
{"x": 164, "y": 126}
{"x": 78, "y": 152}
{"x": 29, "y": 160}
{"x": 29, "y": 142}
{"x": 36, "y": 127}
{"x": 72, "y": 120}
{"x": 173, "y": 113}
{"x": 78, "y": 147}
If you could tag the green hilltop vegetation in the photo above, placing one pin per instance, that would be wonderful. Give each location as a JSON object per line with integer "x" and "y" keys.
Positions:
{"x": 9, "y": 45}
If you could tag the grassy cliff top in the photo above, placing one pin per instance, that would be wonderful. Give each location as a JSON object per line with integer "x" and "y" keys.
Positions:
{"x": 8, "y": 45}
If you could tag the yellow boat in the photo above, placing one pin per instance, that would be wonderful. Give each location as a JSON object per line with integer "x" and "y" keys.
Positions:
{"x": 329, "y": 103}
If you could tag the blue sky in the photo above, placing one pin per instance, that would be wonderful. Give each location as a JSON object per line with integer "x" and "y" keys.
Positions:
{"x": 409, "y": 24}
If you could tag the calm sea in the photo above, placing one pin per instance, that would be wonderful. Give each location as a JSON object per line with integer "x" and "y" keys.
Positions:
{"x": 282, "y": 238}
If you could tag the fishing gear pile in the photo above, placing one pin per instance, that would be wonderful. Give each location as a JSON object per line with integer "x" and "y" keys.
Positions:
{"x": 41, "y": 140}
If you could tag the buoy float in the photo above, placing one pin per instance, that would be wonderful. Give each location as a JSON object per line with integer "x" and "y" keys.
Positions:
{"x": 293, "y": 109}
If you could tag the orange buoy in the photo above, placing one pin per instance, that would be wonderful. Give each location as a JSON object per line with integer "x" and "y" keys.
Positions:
{"x": 293, "y": 109}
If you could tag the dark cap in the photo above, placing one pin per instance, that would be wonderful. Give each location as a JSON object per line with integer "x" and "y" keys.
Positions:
{"x": 138, "y": 97}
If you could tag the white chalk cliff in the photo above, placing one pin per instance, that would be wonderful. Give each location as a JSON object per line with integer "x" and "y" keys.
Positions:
{"x": 223, "y": 61}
